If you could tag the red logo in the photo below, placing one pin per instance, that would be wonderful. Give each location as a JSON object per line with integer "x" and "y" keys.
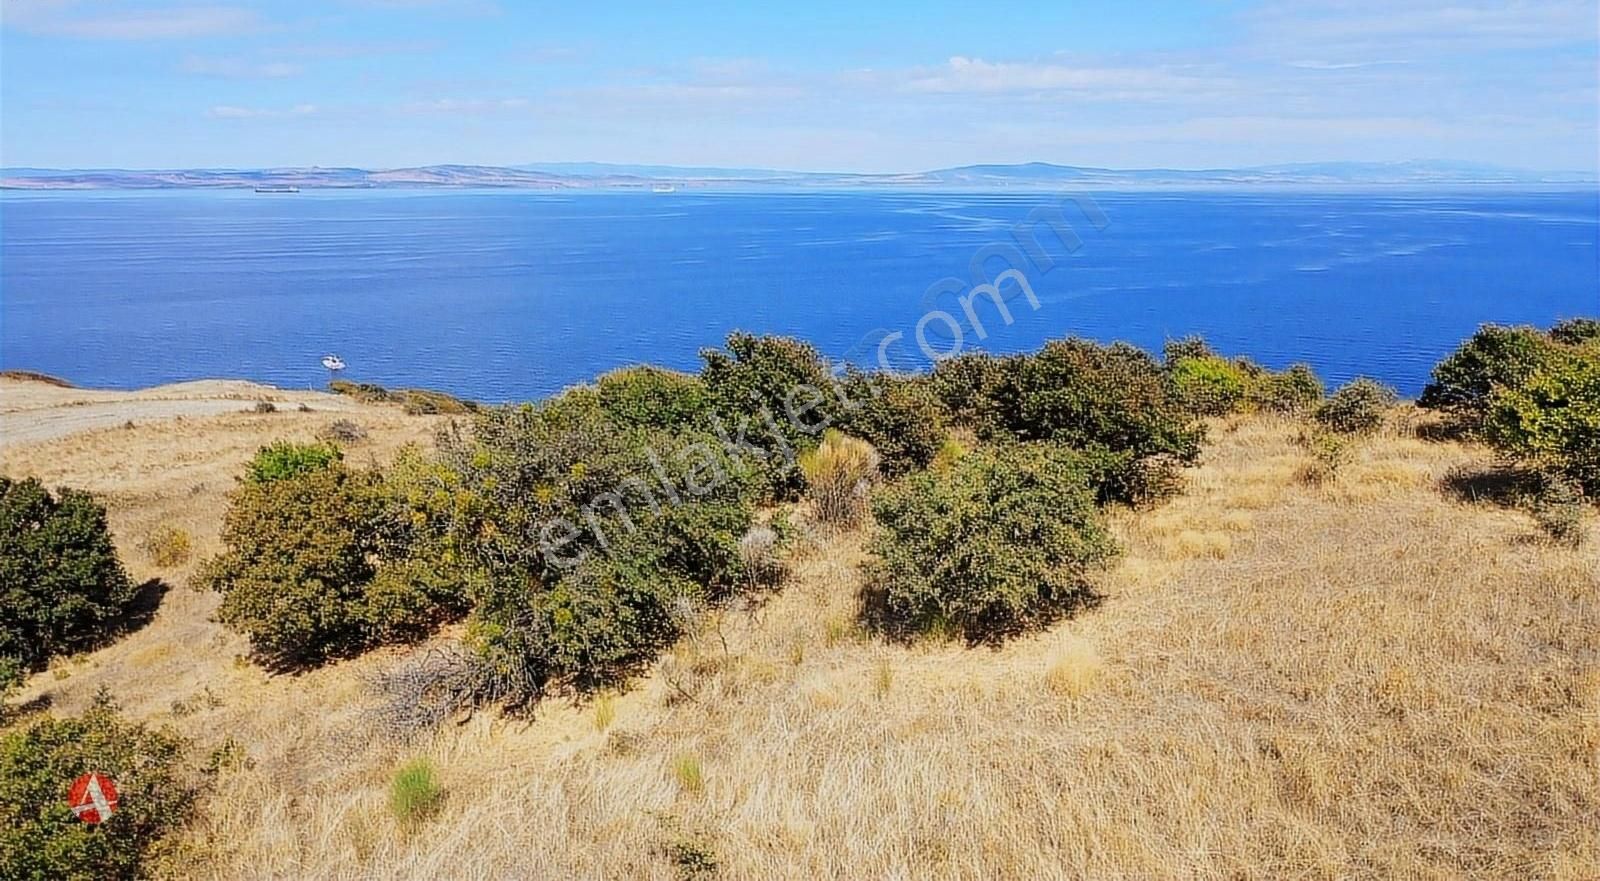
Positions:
{"x": 93, "y": 798}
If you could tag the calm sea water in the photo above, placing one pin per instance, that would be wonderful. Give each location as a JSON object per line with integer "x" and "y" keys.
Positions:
{"x": 508, "y": 295}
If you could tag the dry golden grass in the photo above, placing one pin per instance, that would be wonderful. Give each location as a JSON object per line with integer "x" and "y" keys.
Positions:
{"x": 1368, "y": 680}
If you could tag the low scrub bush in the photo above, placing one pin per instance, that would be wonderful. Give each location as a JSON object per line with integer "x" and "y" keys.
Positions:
{"x": 168, "y": 547}
{"x": 652, "y": 397}
{"x": 62, "y": 588}
{"x": 1328, "y": 453}
{"x": 578, "y": 536}
{"x": 839, "y": 475}
{"x": 314, "y": 566}
{"x": 1294, "y": 391}
{"x": 900, "y": 416}
{"x": 1357, "y": 407}
{"x": 1551, "y": 420}
{"x": 286, "y": 459}
{"x": 1115, "y": 402}
{"x": 777, "y": 394}
{"x": 1576, "y": 332}
{"x": 1210, "y": 385}
{"x": 40, "y": 838}
{"x": 1003, "y": 540}
{"x": 1495, "y": 357}
{"x": 264, "y": 407}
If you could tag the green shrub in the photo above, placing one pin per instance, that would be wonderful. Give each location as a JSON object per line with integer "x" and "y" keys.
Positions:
{"x": 777, "y": 393}
{"x": 1495, "y": 357}
{"x": 1003, "y": 540}
{"x": 1576, "y": 331}
{"x": 1357, "y": 407}
{"x": 11, "y": 674}
{"x": 285, "y": 459}
{"x": 1295, "y": 390}
{"x": 1209, "y": 385}
{"x": 977, "y": 390}
{"x": 1189, "y": 348}
{"x": 1552, "y": 419}
{"x": 61, "y": 585}
{"x": 579, "y": 536}
{"x": 651, "y": 397}
{"x": 313, "y": 566}
{"x": 41, "y": 840}
{"x": 1329, "y": 453}
{"x": 839, "y": 475}
{"x": 414, "y": 792}
{"x": 900, "y": 416}
{"x": 1113, "y": 397}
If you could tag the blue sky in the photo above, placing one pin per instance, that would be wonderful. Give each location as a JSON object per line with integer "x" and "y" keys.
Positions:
{"x": 870, "y": 85}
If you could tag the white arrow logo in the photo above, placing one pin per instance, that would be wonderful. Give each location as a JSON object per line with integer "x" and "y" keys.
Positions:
{"x": 97, "y": 801}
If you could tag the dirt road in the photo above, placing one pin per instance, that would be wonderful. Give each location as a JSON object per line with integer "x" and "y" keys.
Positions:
{"x": 32, "y": 411}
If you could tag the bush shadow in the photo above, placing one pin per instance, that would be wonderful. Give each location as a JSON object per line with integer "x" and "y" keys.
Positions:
{"x": 1506, "y": 486}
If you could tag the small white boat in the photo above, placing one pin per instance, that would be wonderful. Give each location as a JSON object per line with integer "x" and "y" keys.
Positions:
{"x": 333, "y": 362}
{"x": 663, "y": 189}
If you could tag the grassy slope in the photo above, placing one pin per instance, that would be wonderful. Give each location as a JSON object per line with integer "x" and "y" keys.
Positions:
{"x": 1365, "y": 679}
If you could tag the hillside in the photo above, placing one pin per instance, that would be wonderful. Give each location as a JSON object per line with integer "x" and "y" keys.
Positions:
{"x": 1371, "y": 678}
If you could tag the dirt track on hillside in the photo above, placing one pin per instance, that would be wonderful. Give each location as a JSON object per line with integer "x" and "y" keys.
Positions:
{"x": 31, "y": 411}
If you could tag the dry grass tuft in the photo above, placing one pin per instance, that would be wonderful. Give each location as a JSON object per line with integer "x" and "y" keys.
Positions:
{"x": 1075, "y": 667}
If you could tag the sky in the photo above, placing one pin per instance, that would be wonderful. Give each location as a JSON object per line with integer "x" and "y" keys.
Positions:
{"x": 866, "y": 85}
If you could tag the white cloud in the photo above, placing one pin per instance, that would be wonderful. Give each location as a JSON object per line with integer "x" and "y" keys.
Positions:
{"x": 63, "y": 18}
{"x": 225, "y": 111}
{"x": 975, "y": 75}
{"x": 239, "y": 68}
{"x": 464, "y": 105}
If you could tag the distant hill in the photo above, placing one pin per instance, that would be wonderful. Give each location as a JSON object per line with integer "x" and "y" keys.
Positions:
{"x": 599, "y": 175}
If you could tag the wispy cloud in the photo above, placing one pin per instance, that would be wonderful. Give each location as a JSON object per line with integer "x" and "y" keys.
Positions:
{"x": 227, "y": 111}
{"x": 975, "y": 75}
{"x": 65, "y": 18}
{"x": 1344, "y": 65}
{"x": 1326, "y": 26}
{"x": 464, "y": 105}
{"x": 239, "y": 68}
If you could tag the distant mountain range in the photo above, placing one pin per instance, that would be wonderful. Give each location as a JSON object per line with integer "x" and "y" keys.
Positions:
{"x": 599, "y": 175}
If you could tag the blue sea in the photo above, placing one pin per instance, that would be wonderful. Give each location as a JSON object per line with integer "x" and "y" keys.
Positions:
{"x": 513, "y": 295}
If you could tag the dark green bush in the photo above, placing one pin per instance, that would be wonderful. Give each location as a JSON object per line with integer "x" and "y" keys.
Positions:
{"x": 978, "y": 390}
{"x": 581, "y": 534}
{"x": 11, "y": 674}
{"x": 1358, "y": 407}
{"x": 61, "y": 586}
{"x": 1576, "y": 331}
{"x": 40, "y": 839}
{"x": 1552, "y": 419}
{"x": 286, "y": 459}
{"x": 776, "y": 393}
{"x": 1495, "y": 357}
{"x": 651, "y": 397}
{"x": 1295, "y": 390}
{"x": 900, "y": 416}
{"x": 314, "y": 566}
{"x": 1004, "y": 539}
